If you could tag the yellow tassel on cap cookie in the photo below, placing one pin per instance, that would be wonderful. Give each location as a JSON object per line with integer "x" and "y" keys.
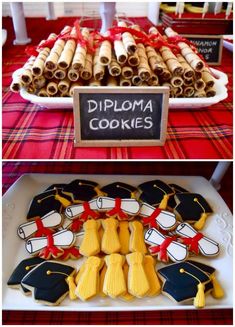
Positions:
{"x": 65, "y": 203}
{"x": 201, "y": 222}
{"x": 72, "y": 287}
{"x": 163, "y": 203}
{"x": 199, "y": 300}
{"x": 138, "y": 284}
{"x": 217, "y": 291}
{"x": 110, "y": 240}
{"x": 91, "y": 243}
{"x": 137, "y": 243}
{"x": 114, "y": 281}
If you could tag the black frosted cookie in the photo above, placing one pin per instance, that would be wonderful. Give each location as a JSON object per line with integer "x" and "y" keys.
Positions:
{"x": 49, "y": 282}
{"x": 55, "y": 186}
{"x": 48, "y": 201}
{"x": 82, "y": 190}
{"x": 156, "y": 193}
{"x": 192, "y": 208}
{"x": 119, "y": 190}
{"x": 177, "y": 189}
{"x": 20, "y": 271}
{"x": 185, "y": 281}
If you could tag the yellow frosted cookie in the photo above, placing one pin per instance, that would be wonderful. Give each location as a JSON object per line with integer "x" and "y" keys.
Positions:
{"x": 138, "y": 284}
{"x": 114, "y": 281}
{"x": 102, "y": 275}
{"x": 91, "y": 243}
{"x": 88, "y": 283}
{"x": 110, "y": 240}
{"x": 154, "y": 283}
{"x": 126, "y": 296}
{"x": 137, "y": 243}
{"x": 124, "y": 236}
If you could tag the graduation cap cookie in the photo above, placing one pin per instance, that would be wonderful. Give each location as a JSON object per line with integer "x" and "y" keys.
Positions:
{"x": 119, "y": 190}
{"x": 20, "y": 271}
{"x": 48, "y": 201}
{"x": 55, "y": 186}
{"x": 177, "y": 189}
{"x": 192, "y": 208}
{"x": 156, "y": 193}
{"x": 50, "y": 282}
{"x": 187, "y": 281}
{"x": 82, "y": 190}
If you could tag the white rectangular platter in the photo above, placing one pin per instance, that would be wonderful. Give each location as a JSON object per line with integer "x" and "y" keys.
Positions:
{"x": 174, "y": 103}
{"x": 15, "y": 205}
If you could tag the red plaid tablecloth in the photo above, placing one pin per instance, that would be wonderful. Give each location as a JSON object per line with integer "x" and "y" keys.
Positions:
{"x": 33, "y": 132}
{"x": 13, "y": 170}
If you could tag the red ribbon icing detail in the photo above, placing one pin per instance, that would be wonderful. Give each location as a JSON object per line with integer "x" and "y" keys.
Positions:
{"x": 151, "y": 220}
{"x": 50, "y": 249}
{"x": 117, "y": 210}
{"x": 73, "y": 251}
{"x": 76, "y": 225}
{"x": 162, "y": 249}
{"x": 192, "y": 242}
{"x": 88, "y": 212}
{"x": 41, "y": 229}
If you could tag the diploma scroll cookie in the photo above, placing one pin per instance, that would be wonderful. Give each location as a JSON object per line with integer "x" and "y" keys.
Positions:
{"x": 50, "y": 246}
{"x": 165, "y": 247}
{"x": 197, "y": 242}
{"x": 123, "y": 209}
{"x": 156, "y": 217}
{"x": 40, "y": 226}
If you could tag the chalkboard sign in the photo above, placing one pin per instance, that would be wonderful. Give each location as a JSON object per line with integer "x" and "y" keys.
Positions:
{"x": 209, "y": 46}
{"x": 120, "y": 116}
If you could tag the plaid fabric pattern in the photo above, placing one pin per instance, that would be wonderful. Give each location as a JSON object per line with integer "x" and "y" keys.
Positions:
{"x": 13, "y": 170}
{"x": 31, "y": 132}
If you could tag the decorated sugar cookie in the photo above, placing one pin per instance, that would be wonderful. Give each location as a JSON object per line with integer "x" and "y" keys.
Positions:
{"x": 177, "y": 189}
{"x": 20, "y": 271}
{"x": 88, "y": 283}
{"x": 82, "y": 190}
{"x": 192, "y": 208}
{"x": 110, "y": 242}
{"x": 40, "y": 226}
{"x": 156, "y": 193}
{"x": 73, "y": 251}
{"x": 50, "y": 282}
{"x": 46, "y": 202}
{"x": 137, "y": 243}
{"x": 50, "y": 246}
{"x": 79, "y": 213}
{"x": 196, "y": 241}
{"x": 119, "y": 190}
{"x": 165, "y": 247}
{"x": 187, "y": 281}
{"x": 123, "y": 209}
{"x": 155, "y": 217}
{"x": 154, "y": 283}
{"x": 90, "y": 244}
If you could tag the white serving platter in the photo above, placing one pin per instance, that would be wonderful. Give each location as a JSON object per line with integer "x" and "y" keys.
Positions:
{"x": 174, "y": 103}
{"x": 15, "y": 204}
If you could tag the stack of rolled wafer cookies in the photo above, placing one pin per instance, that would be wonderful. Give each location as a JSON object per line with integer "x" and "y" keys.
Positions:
{"x": 119, "y": 58}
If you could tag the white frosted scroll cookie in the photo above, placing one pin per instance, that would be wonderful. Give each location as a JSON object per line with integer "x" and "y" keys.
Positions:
{"x": 40, "y": 226}
{"x": 154, "y": 217}
{"x": 165, "y": 247}
{"x": 197, "y": 242}
{"x": 116, "y": 207}
{"x": 51, "y": 245}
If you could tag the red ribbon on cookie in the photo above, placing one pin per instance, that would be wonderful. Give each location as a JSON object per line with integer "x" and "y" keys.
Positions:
{"x": 70, "y": 252}
{"x": 192, "y": 242}
{"x": 151, "y": 220}
{"x": 117, "y": 210}
{"x": 50, "y": 249}
{"x": 41, "y": 229}
{"x": 162, "y": 249}
{"x": 88, "y": 212}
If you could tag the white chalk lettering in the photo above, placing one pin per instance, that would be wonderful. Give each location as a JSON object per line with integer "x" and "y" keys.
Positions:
{"x": 103, "y": 123}
{"x": 139, "y": 122}
{"x": 148, "y": 106}
{"x": 126, "y": 105}
{"x": 125, "y": 124}
{"x": 91, "y": 124}
{"x": 92, "y": 105}
{"x": 114, "y": 124}
{"x": 107, "y": 104}
{"x": 148, "y": 122}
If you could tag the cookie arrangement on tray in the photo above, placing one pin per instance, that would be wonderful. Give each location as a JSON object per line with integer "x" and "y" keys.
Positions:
{"x": 124, "y": 56}
{"x": 116, "y": 235}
